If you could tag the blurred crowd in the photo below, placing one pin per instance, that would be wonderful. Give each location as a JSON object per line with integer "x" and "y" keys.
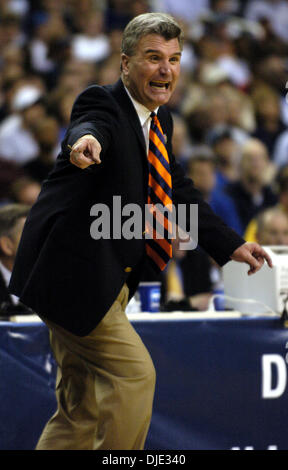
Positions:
{"x": 230, "y": 108}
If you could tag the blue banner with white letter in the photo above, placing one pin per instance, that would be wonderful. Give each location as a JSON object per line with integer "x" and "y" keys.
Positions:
{"x": 221, "y": 383}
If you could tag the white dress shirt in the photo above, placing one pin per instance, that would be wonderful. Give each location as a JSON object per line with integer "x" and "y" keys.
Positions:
{"x": 144, "y": 118}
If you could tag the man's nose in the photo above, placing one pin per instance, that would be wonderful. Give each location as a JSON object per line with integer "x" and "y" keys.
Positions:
{"x": 165, "y": 68}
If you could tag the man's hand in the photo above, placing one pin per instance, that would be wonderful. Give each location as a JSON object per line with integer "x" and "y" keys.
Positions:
{"x": 252, "y": 254}
{"x": 85, "y": 152}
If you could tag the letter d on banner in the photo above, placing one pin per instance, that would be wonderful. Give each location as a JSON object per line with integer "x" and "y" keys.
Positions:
{"x": 277, "y": 362}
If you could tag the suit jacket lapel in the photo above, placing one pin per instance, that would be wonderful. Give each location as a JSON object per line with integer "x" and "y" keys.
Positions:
{"x": 118, "y": 91}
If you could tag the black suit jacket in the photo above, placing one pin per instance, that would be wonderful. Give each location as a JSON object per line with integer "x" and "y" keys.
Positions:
{"x": 60, "y": 271}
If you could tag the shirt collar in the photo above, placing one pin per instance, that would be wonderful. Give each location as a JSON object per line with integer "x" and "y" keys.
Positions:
{"x": 142, "y": 111}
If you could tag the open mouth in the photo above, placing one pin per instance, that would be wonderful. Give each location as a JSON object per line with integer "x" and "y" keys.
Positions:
{"x": 160, "y": 85}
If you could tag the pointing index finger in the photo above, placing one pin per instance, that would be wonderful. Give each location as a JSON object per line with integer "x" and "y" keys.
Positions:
{"x": 94, "y": 152}
{"x": 263, "y": 254}
{"x": 268, "y": 260}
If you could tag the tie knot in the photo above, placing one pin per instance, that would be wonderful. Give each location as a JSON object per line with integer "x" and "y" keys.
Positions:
{"x": 153, "y": 115}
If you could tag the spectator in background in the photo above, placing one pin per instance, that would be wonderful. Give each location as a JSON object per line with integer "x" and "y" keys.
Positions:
{"x": 11, "y": 74}
{"x": 108, "y": 71}
{"x": 9, "y": 174}
{"x": 10, "y": 31}
{"x": 272, "y": 227}
{"x": 219, "y": 101}
{"x": 73, "y": 77}
{"x": 91, "y": 44}
{"x": 184, "y": 10}
{"x": 282, "y": 188}
{"x": 227, "y": 155}
{"x": 115, "y": 39}
{"x": 236, "y": 68}
{"x": 201, "y": 169}
{"x": 12, "y": 219}
{"x": 117, "y": 14}
{"x": 13, "y": 55}
{"x": 25, "y": 190}
{"x": 180, "y": 140}
{"x": 270, "y": 77}
{"x": 275, "y": 11}
{"x": 46, "y": 133}
{"x": 49, "y": 33}
{"x": 138, "y": 7}
{"x": 17, "y": 143}
{"x": 280, "y": 155}
{"x": 252, "y": 193}
{"x": 62, "y": 111}
{"x": 269, "y": 125}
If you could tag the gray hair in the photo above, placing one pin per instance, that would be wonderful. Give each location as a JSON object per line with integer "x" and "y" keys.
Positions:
{"x": 9, "y": 217}
{"x": 150, "y": 23}
{"x": 264, "y": 217}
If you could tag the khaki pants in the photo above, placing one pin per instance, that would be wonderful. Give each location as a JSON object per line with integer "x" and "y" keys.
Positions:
{"x": 105, "y": 386}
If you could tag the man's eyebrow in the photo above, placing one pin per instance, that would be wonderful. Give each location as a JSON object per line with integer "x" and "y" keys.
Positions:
{"x": 156, "y": 51}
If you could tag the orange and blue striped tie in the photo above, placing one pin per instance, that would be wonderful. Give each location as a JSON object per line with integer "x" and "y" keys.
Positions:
{"x": 158, "y": 242}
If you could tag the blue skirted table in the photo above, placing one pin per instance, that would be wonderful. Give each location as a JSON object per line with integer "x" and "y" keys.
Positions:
{"x": 221, "y": 381}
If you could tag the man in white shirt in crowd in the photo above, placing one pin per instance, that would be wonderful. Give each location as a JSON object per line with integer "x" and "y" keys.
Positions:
{"x": 17, "y": 142}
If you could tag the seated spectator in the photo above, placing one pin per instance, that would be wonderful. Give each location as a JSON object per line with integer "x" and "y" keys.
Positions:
{"x": 17, "y": 143}
{"x": 282, "y": 188}
{"x": 269, "y": 125}
{"x": 11, "y": 31}
{"x": 61, "y": 108}
{"x": 49, "y": 46}
{"x": 280, "y": 155}
{"x": 25, "y": 191}
{"x": 180, "y": 140}
{"x": 272, "y": 227}
{"x": 74, "y": 77}
{"x": 184, "y": 10}
{"x": 10, "y": 76}
{"x": 46, "y": 133}
{"x": 91, "y": 44}
{"x": 117, "y": 14}
{"x": 9, "y": 173}
{"x": 280, "y": 185}
{"x": 276, "y": 12}
{"x": 12, "y": 219}
{"x": 251, "y": 194}
{"x": 108, "y": 71}
{"x": 236, "y": 69}
{"x": 201, "y": 169}
{"x": 227, "y": 154}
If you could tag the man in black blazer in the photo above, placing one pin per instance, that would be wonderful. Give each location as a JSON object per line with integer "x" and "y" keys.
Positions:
{"x": 80, "y": 283}
{"x": 12, "y": 219}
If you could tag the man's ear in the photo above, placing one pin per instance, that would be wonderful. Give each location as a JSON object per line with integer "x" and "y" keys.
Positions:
{"x": 6, "y": 245}
{"x": 124, "y": 64}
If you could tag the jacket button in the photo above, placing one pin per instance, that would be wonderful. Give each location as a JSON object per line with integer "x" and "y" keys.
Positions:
{"x": 128, "y": 269}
